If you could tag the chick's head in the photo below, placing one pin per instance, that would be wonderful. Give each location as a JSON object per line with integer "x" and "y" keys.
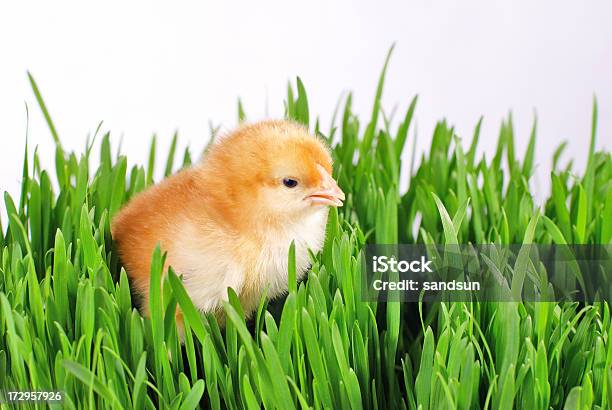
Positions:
{"x": 274, "y": 171}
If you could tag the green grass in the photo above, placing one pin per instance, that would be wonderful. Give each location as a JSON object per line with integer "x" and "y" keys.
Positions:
{"x": 67, "y": 319}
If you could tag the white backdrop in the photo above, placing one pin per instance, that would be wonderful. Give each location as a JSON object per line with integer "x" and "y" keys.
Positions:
{"x": 145, "y": 67}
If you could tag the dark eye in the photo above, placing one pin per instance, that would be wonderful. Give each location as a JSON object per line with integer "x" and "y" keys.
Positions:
{"x": 289, "y": 182}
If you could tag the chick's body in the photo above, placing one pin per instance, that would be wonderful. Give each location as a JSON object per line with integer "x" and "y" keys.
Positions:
{"x": 229, "y": 220}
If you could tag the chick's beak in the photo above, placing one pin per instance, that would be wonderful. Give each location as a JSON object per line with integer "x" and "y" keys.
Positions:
{"x": 328, "y": 193}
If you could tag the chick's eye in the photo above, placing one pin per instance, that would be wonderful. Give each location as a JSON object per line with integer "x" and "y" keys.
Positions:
{"x": 290, "y": 182}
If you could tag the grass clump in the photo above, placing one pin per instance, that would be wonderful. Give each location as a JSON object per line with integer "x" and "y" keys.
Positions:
{"x": 67, "y": 320}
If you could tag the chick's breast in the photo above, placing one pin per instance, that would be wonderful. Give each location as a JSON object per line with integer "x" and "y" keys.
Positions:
{"x": 212, "y": 259}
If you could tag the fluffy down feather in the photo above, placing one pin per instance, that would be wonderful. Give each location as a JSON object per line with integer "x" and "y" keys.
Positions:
{"x": 229, "y": 220}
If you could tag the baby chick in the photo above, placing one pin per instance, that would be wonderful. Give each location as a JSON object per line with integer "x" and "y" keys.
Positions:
{"x": 229, "y": 220}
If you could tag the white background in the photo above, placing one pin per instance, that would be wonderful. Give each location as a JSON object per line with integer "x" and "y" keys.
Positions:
{"x": 148, "y": 67}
